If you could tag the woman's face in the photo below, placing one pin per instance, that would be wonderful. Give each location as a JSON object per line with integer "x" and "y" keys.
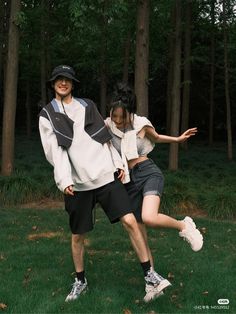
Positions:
{"x": 120, "y": 118}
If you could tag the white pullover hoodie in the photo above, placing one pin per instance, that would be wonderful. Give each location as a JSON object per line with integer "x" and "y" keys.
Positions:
{"x": 86, "y": 164}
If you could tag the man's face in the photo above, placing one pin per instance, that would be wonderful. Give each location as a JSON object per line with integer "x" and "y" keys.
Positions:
{"x": 63, "y": 86}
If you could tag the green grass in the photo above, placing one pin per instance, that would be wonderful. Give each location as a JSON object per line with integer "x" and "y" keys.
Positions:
{"x": 36, "y": 274}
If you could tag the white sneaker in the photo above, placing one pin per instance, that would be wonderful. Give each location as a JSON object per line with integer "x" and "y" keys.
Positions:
{"x": 152, "y": 293}
{"x": 155, "y": 284}
{"x": 78, "y": 288}
{"x": 191, "y": 234}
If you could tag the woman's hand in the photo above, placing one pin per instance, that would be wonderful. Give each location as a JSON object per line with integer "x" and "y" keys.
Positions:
{"x": 121, "y": 174}
{"x": 187, "y": 134}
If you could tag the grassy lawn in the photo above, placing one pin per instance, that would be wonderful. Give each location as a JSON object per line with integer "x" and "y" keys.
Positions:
{"x": 36, "y": 268}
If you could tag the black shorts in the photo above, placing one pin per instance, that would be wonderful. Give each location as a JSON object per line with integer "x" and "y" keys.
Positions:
{"x": 145, "y": 179}
{"x": 112, "y": 197}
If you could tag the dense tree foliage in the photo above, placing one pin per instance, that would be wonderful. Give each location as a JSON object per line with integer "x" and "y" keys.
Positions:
{"x": 98, "y": 38}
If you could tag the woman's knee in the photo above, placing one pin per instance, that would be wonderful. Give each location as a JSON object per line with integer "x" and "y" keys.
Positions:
{"x": 147, "y": 219}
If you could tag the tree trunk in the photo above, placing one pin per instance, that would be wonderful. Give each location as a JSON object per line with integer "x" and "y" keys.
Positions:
{"x": 170, "y": 70}
{"x": 2, "y": 43}
{"x": 103, "y": 65}
{"x": 28, "y": 110}
{"x": 10, "y": 92}
{"x": 125, "y": 78}
{"x": 187, "y": 69}
{"x": 43, "y": 71}
{"x": 227, "y": 95}
{"x": 142, "y": 57}
{"x": 212, "y": 73}
{"x": 175, "y": 112}
{"x": 4, "y": 16}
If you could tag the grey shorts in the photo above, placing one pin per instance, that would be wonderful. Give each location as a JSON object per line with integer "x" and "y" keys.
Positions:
{"x": 145, "y": 179}
{"x": 112, "y": 197}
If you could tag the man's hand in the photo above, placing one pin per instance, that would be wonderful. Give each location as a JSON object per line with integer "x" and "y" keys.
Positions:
{"x": 69, "y": 190}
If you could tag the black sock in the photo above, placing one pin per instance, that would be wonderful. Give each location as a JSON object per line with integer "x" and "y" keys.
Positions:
{"x": 146, "y": 266}
{"x": 80, "y": 276}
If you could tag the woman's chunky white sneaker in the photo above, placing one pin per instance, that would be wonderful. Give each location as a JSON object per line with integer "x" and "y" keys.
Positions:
{"x": 191, "y": 234}
{"x": 78, "y": 288}
{"x": 155, "y": 284}
{"x": 152, "y": 293}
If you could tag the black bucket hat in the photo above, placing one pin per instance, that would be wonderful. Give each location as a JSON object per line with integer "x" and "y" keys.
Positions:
{"x": 62, "y": 70}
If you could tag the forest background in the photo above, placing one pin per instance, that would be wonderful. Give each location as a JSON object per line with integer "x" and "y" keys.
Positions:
{"x": 178, "y": 55}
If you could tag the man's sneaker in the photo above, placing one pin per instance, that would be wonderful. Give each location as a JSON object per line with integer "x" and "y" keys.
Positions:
{"x": 191, "y": 234}
{"x": 78, "y": 288}
{"x": 155, "y": 284}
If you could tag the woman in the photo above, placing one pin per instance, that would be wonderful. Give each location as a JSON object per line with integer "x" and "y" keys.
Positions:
{"x": 134, "y": 137}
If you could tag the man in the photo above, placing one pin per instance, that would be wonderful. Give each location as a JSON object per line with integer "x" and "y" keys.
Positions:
{"x": 87, "y": 169}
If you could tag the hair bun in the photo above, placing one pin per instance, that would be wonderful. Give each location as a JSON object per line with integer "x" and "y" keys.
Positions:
{"x": 125, "y": 94}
